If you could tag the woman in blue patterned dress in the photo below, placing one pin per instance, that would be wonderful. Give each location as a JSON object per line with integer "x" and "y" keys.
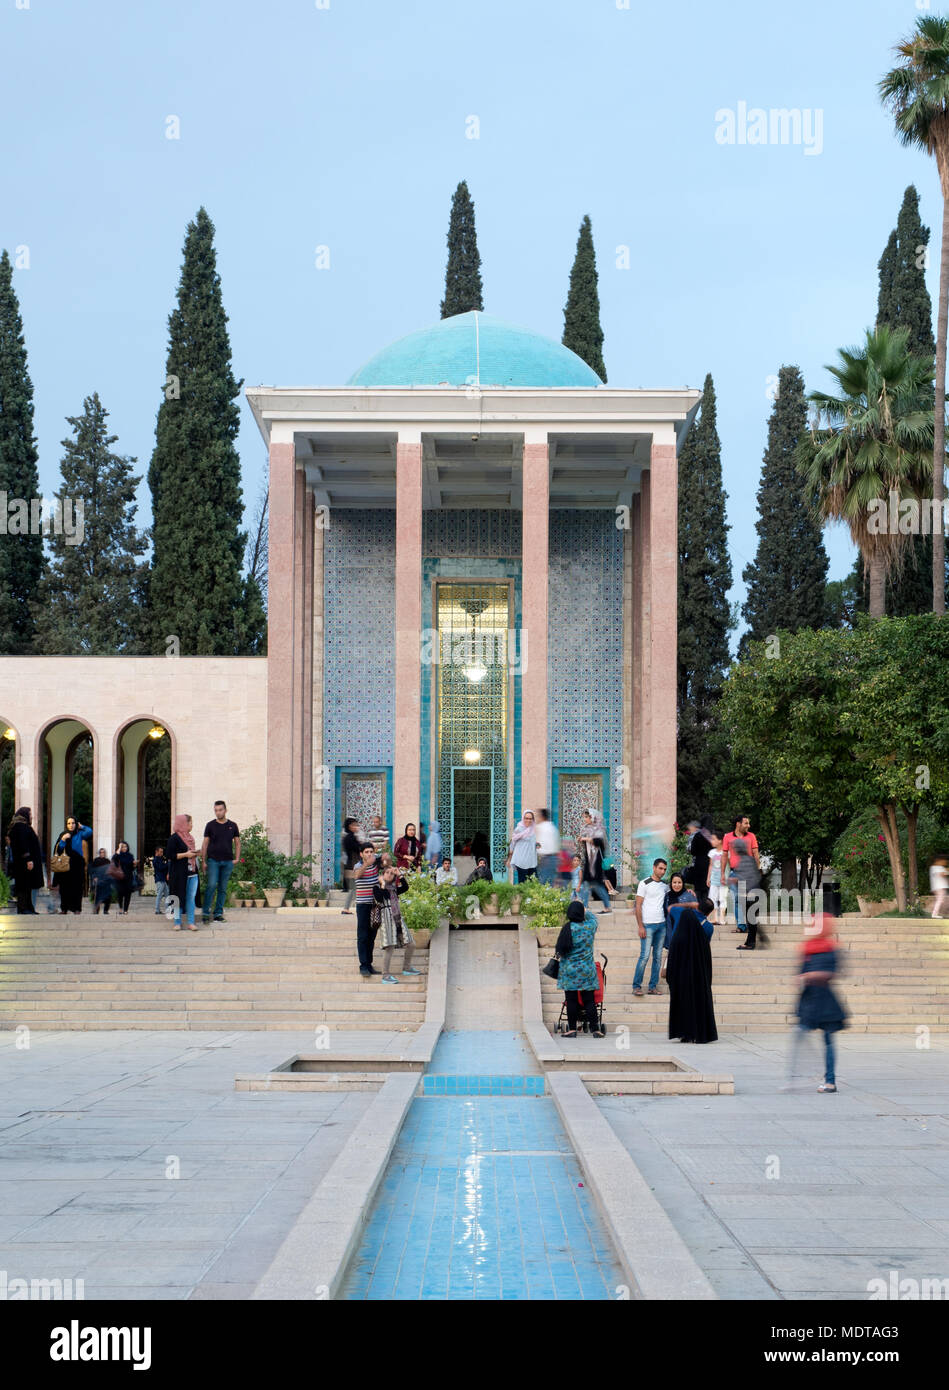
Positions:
{"x": 577, "y": 975}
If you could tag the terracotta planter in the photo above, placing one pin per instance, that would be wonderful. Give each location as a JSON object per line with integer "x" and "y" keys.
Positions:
{"x": 490, "y": 908}
{"x": 422, "y": 939}
{"x": 311, "y": 902}
{"x": 546, "y": 937}
{"x": 869, "y": 908}
{"x": 275, "y": 896}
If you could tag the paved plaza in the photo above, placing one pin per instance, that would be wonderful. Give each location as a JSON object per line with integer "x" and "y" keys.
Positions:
{"x": 777, "y": 1195}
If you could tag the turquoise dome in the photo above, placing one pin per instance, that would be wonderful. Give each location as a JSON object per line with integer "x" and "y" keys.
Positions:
{"x": 475, "y": 349}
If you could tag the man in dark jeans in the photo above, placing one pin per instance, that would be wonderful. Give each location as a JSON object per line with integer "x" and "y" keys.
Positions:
{"x": 222, "y": 845}
{"x": 365, "y": 877}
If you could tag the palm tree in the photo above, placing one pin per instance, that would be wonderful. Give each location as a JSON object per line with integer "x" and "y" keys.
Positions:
{"x": 877, "y": 439}
{"x": 917, "y": 93}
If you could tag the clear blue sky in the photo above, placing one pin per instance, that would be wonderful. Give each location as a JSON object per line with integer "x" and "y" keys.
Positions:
{"x": 346, "y": 126}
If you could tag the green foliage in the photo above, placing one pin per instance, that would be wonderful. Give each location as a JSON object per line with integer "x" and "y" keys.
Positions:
{"x": 877, "y": 439}
{"x": 544, "y": 905}
{"x": 505, "y": 893}
{"x": 196, "y": 590}
{"x": 266, "y": 867}
{"x": 463, "y": 272}
{"x": 704, "y": 578}
{"x": 4, "y": 889}
{"x": 861, "y": 862}
{"x": 786, "y": 580}
{"x": 582, "y": 332}
{"x": 102, "y": 578}
{"x": 420, "y": 905}
{"x": 21, "y": 556}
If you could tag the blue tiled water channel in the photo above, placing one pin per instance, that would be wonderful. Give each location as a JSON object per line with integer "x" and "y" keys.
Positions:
{"x": 483, "y": 1196}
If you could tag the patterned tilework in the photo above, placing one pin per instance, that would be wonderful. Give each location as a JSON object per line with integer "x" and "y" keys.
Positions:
{"x": 486, "y": 534}
{"x": 359, "y": 667}
{"x": 483, "y": 1199}
{"x": 585, "y": 647}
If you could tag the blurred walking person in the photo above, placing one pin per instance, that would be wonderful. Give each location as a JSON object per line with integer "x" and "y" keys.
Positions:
{"x": 939, "y": 885}
{"x": 351, "y": 846}
{"x": 818, "y": 1007}
{"x": 548, "y": 847}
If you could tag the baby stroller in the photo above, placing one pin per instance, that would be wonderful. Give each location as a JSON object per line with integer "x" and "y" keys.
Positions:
{"x": 598, "y": 998}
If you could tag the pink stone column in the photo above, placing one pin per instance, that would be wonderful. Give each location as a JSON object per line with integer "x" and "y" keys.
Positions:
{"x": 663, "y": 578}
{"x": 534, "y": 586}
{"x": 636, "y": 737}
{"x": 306, "y": 744}
{"x": 280, "y": 652}
{"x": 407, "y": 751}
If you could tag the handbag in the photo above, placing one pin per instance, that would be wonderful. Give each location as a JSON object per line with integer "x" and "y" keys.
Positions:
{"x": 552, "y": 968}
{"x": 59, "y": 863}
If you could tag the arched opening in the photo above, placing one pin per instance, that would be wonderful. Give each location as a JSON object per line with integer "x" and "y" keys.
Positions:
{"x": 67, "y": 758}
{"x": 143, "y": 764}
{"x": 8, "y": 786}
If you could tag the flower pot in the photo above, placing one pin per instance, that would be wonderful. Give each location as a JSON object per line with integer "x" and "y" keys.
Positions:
{"x": 311, "y": 902}
{"x": 275, "y": 896}
{"x": 490, "y": 908}
{"x": 515, "y": 907}
{"x": 869, "y": 908}
{"x": 547, "y": 937}
{"x": 422, "y": 939}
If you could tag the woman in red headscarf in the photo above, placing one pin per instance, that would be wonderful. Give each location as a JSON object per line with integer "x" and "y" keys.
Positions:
{"x": 818, "y": 1005}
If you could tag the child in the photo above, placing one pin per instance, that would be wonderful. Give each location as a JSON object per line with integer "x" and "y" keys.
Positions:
{"x": 717, "y": 890}
{"x": 447, "y": 873}
{"x": 939, "y": 884}
{"x": 160, "y": 865}
{"x": 576, "y": 877}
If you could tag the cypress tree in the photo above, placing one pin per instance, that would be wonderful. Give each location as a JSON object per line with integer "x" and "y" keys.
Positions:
{"x": 463, "y": 273}
{"x": 21, "y": 553}
{"x": 196, "y": 591}
{"x": 581, "y": 316}
{"x": 787, "y": 578}
{"x": 904, "y": 302}
{"x": 88, "y": 601}
{"x": 705, "y": 577}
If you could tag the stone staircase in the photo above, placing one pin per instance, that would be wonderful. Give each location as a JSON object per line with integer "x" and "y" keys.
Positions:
{"x": 894, "y": 977}
{"x": 259, "y": 970}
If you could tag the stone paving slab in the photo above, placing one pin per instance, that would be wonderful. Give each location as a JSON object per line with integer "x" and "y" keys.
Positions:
{"x": 796, "y": 1194}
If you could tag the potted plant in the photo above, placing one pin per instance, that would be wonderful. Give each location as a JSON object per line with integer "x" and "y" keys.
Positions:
{"x": 421, "y": 910}
{"x": 545, "y": 911}
{"x": 504, "y": 896}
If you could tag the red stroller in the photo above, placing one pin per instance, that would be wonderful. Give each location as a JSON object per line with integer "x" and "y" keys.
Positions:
{"x": 598, "y": 999}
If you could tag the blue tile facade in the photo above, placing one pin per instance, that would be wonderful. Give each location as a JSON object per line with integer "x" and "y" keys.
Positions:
{"x": 585, "y": 640}
{"x": 585, "y": 649}
{"x": 359, "y": 652}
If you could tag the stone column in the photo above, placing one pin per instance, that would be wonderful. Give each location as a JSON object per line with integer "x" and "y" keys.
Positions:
{"x": 663, "y": 577}
{"x": 407, "y": 751}
{"x": 280, "y": 651}
{"x": 637, "y": 750}
{"x": 306, "y": 740}
{"x": 534, "y": 585}
{"x": 320, "y": 779}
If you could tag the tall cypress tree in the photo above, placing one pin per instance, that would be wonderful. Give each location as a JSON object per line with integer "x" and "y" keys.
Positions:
{"x": 21, "y": 552}
{"x": 904, "y": 302}
{"x": 787, "y": 578}
{"x": 581, "y": 316}
{"x": 705, "y": 577}
{"x": 196, "y": 591}
{"x": 463, "y": 273}
{"x": 89, "y": 599}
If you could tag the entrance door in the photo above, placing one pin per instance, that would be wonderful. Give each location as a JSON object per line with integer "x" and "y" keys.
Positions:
{"x": 472, "y": 821}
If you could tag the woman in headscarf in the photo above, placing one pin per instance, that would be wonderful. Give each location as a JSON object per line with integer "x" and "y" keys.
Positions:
{"x": 27, "y": 859}
{"x": 523, "y": 856}
{"x": 181, "y": 854}
{"x": 818, "y": 1005}
{"x": 433, "y": 846}
{"x": 689, "y": 977}
{"x": 123, "y": 861}
{"x": 592, "y": 845}
{"x": 408, "y": 850}
{"x": 394, "y": 932}
{"x": 72, "y": 882}
{"x": 577, "y": 975}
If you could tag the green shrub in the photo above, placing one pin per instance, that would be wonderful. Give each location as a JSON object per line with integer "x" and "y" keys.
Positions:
{"x": 505, "y": 895}
{"x": 420, "y": 904}
{"x": 545, "y": 906}
{"x": 4, "y": 889}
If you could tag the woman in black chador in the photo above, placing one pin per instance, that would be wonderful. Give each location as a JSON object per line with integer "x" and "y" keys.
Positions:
{"x": 689, "y": 976}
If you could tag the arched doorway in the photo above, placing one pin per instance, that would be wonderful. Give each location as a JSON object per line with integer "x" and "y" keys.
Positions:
{"x": 143, "y": 766}
{"x": 68, "y": 758}
{"x": 8, "y": 781}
